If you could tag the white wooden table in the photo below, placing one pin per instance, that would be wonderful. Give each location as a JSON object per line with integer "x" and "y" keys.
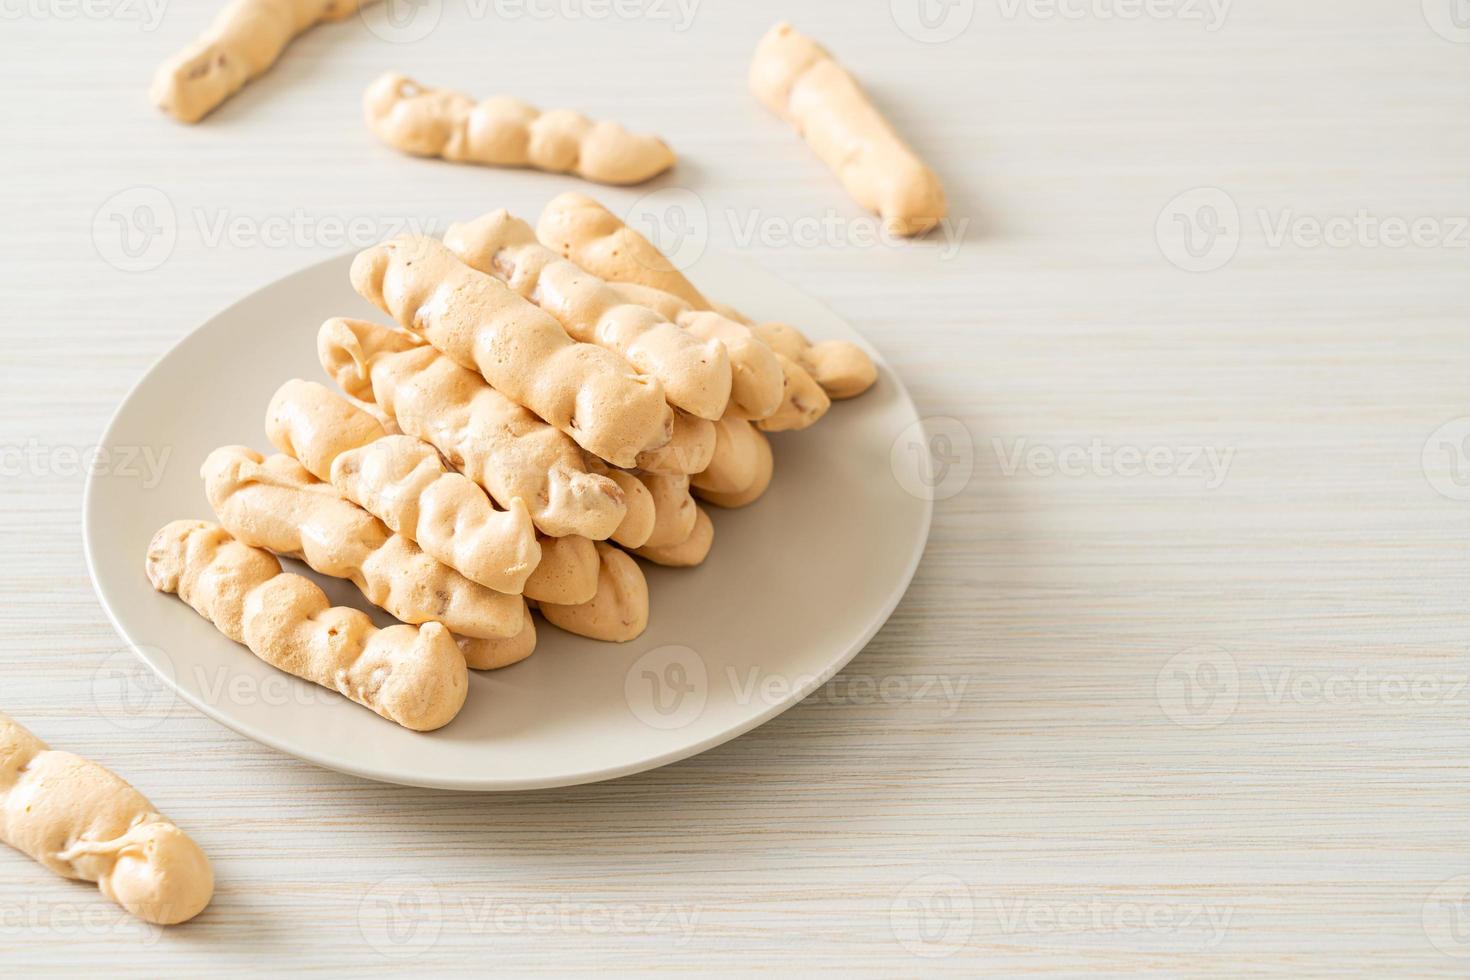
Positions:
{"x": 1181, "y": 686}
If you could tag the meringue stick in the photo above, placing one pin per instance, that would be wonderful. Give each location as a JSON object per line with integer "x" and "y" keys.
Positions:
{"x": 277, "y": 505}
{"x": 582, "y": 230}
{"x": 674, "y": 508}
{"x": 567, "y": 574}
{"x": 403, "y": 482}
{"x": 695, "y": 373}
{"x": 506, "y": 132}
{"x": 842, "y": 368}
{"x": 756, "y": 378}
{"x": 482, "y": 654}
{"x": 82, "y": 821}
{"x": 619, "y": 610}
{"x": 588, "y": 392}
{"x": 758, "y": 389}
{"x": 414, "y": 676}
{"x": 492, "y": 440}
{"x": 764, "y": 384}
{"x": 243, "y": 42}
{"x": 736, "y": 465}
{"x": 639, "y": 521}
{"x": 764, "y": 469}
{"x": 690, "y": 552}
{"x": 689, "y": 450}
{"x": 799, "y": 81}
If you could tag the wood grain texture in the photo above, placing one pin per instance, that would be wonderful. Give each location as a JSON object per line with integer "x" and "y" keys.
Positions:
{"x": 1073, "y": 800}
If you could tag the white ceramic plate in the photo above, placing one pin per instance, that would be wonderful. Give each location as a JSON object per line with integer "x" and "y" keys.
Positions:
{"x": 797, "y": 583}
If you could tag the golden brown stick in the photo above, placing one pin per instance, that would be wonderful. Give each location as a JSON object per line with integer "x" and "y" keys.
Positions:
{"x": 276, "y": 505}
{"x": 495, "y": 442}
{"x": 588, "y": 392}
{"x": 413, "y": 676}
{"x": 506, "y": 132}
{"x": 694, "y": 372}
{"x": 619, "y": 610}
{"x": 81, "y": 821}
{"x": 800, "y": 82}
{"x": 403, "y": 482}
{"x": 243, "y": 42}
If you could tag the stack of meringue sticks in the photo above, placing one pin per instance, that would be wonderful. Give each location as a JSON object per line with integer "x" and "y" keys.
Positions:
{"x": 550, "y": 403}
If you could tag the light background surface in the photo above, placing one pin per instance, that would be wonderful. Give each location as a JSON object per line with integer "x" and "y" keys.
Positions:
{"x": 1161, "y": 723}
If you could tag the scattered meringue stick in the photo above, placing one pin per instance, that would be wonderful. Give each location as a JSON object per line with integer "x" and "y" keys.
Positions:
{"x": 764, "y": 468}
{"x": 403, "y": 482}
{"x": 414, "y": 676}
{"x": 588, "y": 392}
{"x": 277, "y": 505}
{"x": 243, "y": 42}
{"x": 687, "y": 553}
{"x": 84, "y": 822}
{"x": 694, "y": 371}
{"x": 765, "y": 385}
{"x": 486, "y": 654}
{"x": 618, "y": 612}
{"x": 799, "y": 81}
{"x": 506, "y": 132}
{"x": 490, "y": 439}
{"x": 689, "y": 451}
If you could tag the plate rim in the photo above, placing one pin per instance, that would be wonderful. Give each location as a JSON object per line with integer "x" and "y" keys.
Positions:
{"x": 482, "y": 784}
